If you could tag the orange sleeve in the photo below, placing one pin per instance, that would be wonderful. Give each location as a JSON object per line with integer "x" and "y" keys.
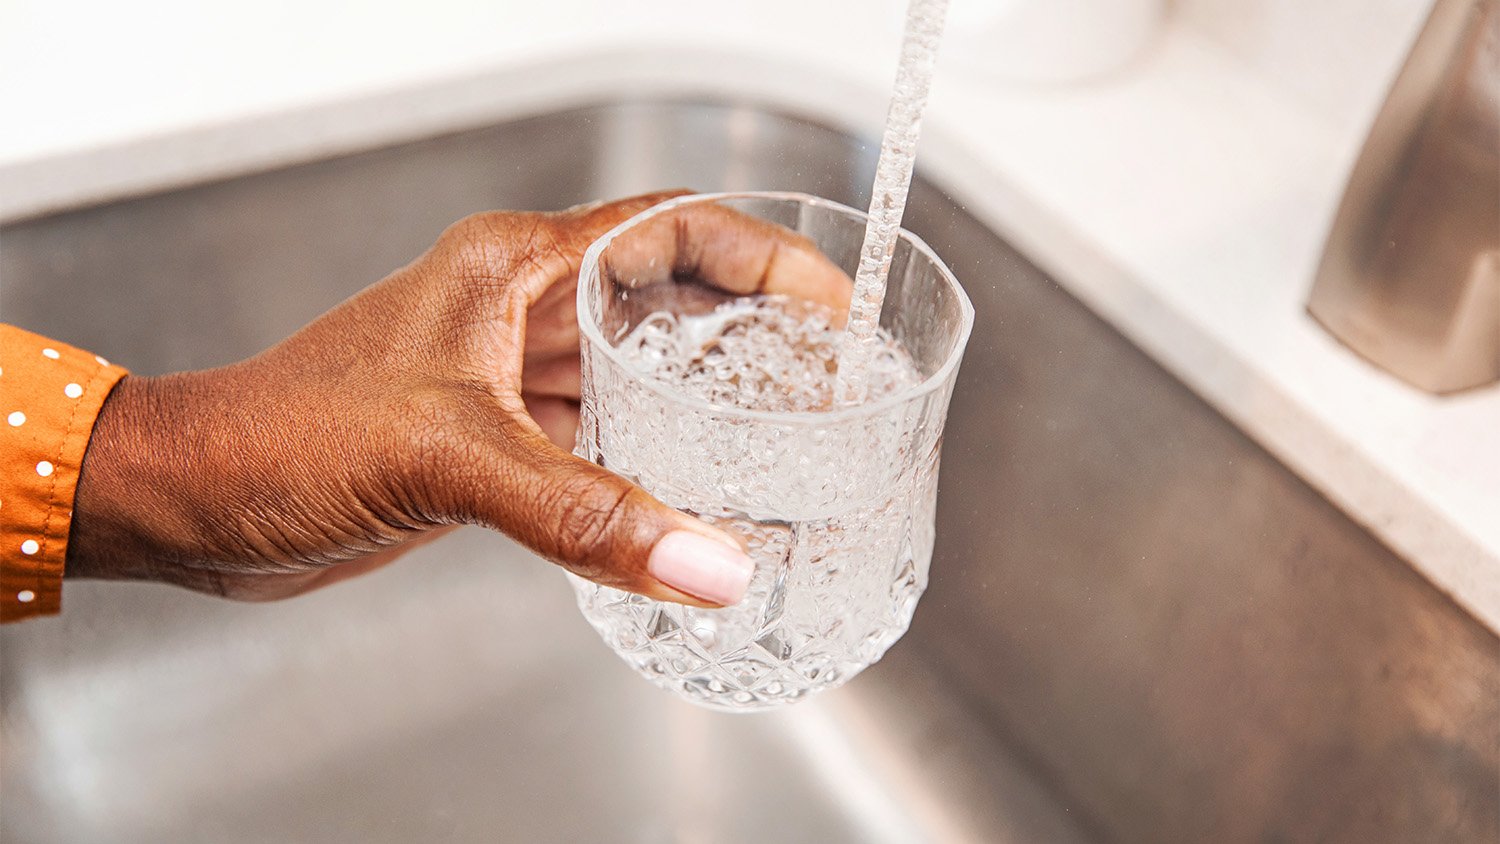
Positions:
{"x": 50, "y": 395}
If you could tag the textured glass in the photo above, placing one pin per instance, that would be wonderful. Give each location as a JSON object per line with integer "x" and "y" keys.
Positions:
{"x": 836, "y": 506}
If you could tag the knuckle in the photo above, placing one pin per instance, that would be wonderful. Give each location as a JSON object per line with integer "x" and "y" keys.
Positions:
{"x": 484, "y": 224}
{"x": 500, "y": 244}
{"x": 590, "y": 518}
{"x": 466, "y": 237}
{"x": 481, "y": 247}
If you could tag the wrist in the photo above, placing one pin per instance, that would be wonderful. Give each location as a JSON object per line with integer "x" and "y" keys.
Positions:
{"x": 131, "y": 512}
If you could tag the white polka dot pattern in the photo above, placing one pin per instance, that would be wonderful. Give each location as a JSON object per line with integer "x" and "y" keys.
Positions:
{"x": 52, "y": 393}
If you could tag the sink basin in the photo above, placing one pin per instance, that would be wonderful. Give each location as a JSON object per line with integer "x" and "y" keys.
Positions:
{"x": 1140, "y": 626}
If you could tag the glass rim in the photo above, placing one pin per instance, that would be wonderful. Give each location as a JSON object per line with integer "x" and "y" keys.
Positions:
{"x": 589, "y": 329}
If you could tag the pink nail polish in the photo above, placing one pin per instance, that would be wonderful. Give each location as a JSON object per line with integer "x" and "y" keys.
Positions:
{"x": 702, "y": 567}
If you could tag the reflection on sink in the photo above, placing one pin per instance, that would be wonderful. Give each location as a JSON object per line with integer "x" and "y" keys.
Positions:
{"x": 1140, "y": 626}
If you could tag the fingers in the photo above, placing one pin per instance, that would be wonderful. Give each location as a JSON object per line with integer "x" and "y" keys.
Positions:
{"x": 595, "y": 523}
{"x": 552, "y": 319}
{"x": 507, "y": 468}
{"x": 732, "y": 251}
{"x": 499, "y": 463}
{"x": 587, "y": 223}
{"x": 607, "y": 214}
{"x": 729, "y": 250}
{"x": 557, "y": 417}
{"x": 555, "y": 375}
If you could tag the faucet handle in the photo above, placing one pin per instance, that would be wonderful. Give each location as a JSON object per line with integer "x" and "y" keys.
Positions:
{"x": 1410, "y": 278}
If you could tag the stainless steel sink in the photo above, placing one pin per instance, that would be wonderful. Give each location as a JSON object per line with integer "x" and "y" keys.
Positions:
{"x": 1140, "y": 626}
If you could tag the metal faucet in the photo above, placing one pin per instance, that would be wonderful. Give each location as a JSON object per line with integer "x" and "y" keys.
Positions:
{"x": 1410, "y": 278}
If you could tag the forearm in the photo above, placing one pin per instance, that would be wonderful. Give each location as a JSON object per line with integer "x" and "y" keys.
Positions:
{"x": 207, "y": 480}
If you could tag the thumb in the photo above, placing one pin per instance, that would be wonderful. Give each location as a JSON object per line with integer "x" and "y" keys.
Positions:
{"x": 600, "y": 526}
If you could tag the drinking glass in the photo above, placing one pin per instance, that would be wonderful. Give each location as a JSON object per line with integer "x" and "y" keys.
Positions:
{"x": 836, "y": 506}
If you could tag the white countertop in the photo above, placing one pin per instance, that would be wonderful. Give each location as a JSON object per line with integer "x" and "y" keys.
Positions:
{"x": 1184, "y": 198}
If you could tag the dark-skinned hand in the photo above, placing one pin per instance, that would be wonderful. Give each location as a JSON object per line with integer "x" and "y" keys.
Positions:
{"x": 445, "y": 394}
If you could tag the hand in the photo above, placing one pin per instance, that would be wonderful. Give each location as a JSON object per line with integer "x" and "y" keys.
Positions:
{"x": 443, "y": 395}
